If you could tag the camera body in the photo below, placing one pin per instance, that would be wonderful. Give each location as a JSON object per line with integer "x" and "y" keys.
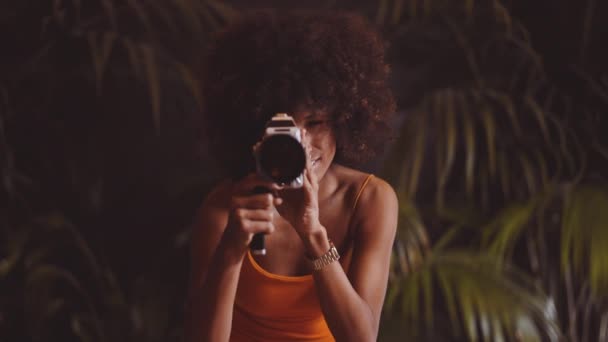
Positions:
{"x": 280, "y": 155}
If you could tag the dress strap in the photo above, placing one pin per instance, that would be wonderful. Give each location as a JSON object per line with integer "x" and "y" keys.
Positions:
{"x": 367, "y": 179}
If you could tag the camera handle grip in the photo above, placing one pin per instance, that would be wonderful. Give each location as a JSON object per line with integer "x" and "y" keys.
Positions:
{"x": 257, "y": 245}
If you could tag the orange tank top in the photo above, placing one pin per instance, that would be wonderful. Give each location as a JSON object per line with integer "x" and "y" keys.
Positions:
{"x": 271, "y": 307}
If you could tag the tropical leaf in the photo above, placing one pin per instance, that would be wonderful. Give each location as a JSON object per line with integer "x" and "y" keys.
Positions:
{"x": 470, "y": 149}
{"x": 36, "y": 251}
{"x": 412, "y": 243}
{"x": 191, "y": 83}
{"x": 140, "y": 28}
{"x": 585, "y": 234}
{"x": 484, "y": 300}
{"x": 590, "y": 10}
{"x": 100, "y": 52}
{"x": 471, "y": 155}
{"x": 501, "y": 234}
{"x": 490, "y": 130}
{"x": 51, "y": 276}
{"x": 404, "y": 154}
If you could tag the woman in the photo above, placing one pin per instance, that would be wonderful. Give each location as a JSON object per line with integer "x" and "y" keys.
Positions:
{"x": 327, "y": 70}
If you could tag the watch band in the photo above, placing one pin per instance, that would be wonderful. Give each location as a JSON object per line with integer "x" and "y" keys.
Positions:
{"x": 330, "y": 256}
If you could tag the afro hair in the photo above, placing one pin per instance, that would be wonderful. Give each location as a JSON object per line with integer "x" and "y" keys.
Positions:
{"x": 267, "y": 62}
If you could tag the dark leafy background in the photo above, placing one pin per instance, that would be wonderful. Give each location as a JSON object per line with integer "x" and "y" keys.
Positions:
{"x": 500, "y": 165}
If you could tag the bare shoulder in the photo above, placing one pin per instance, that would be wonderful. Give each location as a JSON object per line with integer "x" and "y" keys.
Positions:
{"x": 369, "y": 188}
{"x": 376, "y": 200}
{"x": 212, "y": 213}
{"x": 377, "y": 190}
{"x": 218, "y": 196}
{"x": 207, "y": 228}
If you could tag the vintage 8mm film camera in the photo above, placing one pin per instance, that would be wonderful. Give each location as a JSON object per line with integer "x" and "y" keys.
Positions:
{"x": 280, "y": 155}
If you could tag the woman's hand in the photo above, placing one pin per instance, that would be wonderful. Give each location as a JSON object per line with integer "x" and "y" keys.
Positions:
{"x": 301, "y": 205}
{"x": 250, "y": 213}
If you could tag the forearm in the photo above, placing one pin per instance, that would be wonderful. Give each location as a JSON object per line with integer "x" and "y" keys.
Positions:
{"x": 348, "y": 316}
{"x": 211, "y": 314}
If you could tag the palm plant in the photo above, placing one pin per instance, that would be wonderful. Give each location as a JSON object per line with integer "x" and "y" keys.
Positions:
{"x": 87, "y": 89}
{"x": 500, "y": 168}
{"x": 503, "y": 167}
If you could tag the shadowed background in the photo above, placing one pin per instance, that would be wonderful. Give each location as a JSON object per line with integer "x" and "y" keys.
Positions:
{"x": 500, "y": 161}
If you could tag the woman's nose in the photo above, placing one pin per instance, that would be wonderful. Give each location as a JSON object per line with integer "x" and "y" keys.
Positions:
{"x": 305, "y": 137}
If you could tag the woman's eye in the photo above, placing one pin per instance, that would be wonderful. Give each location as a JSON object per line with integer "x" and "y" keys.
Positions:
{"x": 315, "y": 123}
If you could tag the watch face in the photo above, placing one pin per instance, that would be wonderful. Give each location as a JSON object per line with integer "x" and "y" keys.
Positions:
{"x": 327, "y": 258}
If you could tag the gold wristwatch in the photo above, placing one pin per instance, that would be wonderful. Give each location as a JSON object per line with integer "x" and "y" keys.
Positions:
{"x": 330, "y": 256}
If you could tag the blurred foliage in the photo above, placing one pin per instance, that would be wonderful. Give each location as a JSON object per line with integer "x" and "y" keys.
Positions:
{"x": 500, "y": 164}
{"x": 100, "y": 165}
{"x": 501, "y": 155}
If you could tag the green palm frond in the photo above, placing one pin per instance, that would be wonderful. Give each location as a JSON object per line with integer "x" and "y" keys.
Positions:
{"x": 412, "y": 243}
{"x": 484, "y": 301}
{"x": 100, "y": 52}
{"x": 86, "y": 293}
{"x": 143, "y": 60}
{"x": 53, "y": 277}
{"x": 460, "y": 125}
{"x": 587, "y": 24}
{"x": 450, "y": 130}
{"x": 595, "y": 115}
{"x": 138, "y": 29}
{"x": 583, "y": 231}
{"x": 400, "y": 171}
{"x": 468, "y": 135}
{"x": 585, "y": 234}
{"x": 500, "y": 235}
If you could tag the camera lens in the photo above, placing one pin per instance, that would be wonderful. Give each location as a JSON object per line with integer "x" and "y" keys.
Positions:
{"x": 282, "y": 158}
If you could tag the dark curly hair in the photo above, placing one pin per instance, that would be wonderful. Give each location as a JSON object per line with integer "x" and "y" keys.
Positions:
{"x": 268, "y": 62}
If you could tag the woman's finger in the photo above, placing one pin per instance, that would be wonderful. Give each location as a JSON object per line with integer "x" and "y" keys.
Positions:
{"x": 254, "y": 227}
{"x": 312, "y": 177}
{"x": 308, "y": 186}
{"x": 254, "y": 214}
{"x": 252, "y": 183}
{"x": 260, "y": 201}
{"x": 314, "y": 180}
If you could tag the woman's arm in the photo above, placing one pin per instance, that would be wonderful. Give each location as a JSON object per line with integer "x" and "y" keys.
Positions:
{"x": 352, "y": 303}
{"x": 227, "y": 221}
{"x": 207, "y": 231}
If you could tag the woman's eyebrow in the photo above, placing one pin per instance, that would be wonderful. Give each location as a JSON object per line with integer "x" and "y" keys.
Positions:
{"x": 316, "y": 116}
